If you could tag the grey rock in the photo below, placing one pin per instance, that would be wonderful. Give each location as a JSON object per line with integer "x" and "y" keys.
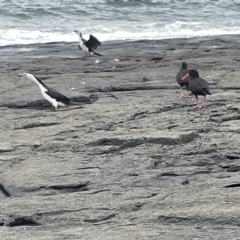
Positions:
{"x": 135, "y": 162}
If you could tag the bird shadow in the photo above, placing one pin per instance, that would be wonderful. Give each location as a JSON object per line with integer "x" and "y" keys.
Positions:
{"x": 79, "y": 102}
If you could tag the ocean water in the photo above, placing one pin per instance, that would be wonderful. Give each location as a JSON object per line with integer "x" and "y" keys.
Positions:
{"x": 34, "y": 21}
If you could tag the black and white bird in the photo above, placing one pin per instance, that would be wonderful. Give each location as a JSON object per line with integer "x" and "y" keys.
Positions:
{"x": 88, "y": 46}
{"x": 51, "y": 95}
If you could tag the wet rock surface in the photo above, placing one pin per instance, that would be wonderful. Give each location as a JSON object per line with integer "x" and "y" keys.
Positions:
{"x": 133, "y": 161}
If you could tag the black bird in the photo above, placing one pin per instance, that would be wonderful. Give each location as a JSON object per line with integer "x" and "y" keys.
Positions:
{"x": 88, "y": 46}
{"x": 198, "y": 86}
{"x": 183, "y": 71}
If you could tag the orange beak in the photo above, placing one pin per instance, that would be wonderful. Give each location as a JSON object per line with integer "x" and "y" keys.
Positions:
{"x": 22, "y": 74}
{"x": 184, "y": 77}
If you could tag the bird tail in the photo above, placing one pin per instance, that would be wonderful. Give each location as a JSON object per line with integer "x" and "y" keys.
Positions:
{"x": 206, "y": 91}
{"x": 96, "y": 53}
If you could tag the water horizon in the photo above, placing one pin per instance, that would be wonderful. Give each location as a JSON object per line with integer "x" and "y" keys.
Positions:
{"x": 129, "y": 20}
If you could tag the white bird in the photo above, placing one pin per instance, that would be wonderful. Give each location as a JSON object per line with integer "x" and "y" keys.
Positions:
{"x": 88, "y": 46}
{"x": 51, "y": 95}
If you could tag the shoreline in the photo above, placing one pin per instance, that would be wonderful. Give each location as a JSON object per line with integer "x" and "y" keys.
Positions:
{"x": 20, "y": 52}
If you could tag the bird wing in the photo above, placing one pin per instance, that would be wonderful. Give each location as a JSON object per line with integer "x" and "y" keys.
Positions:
{"x": 206, "y": 87}
{"x": 180, "y": 75}
{"x": 203, "y": 84}
{"x": 92, "y": 42}
{"x": 58, "y": 96}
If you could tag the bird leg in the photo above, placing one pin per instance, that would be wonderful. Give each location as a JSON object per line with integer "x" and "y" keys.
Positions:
{"x": 182, "y": 95}
{"x": 203, "y": 104}
{"x": 198, "y": 104}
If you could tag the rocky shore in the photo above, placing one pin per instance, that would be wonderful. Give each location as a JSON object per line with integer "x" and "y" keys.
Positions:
{"x": 134, "y": 161}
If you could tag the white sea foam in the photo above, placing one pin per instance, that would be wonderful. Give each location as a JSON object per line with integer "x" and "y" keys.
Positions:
{"x": 54, "y": 21}
{"x": 16, "y": 36}
{"x": 175, "y": 30}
